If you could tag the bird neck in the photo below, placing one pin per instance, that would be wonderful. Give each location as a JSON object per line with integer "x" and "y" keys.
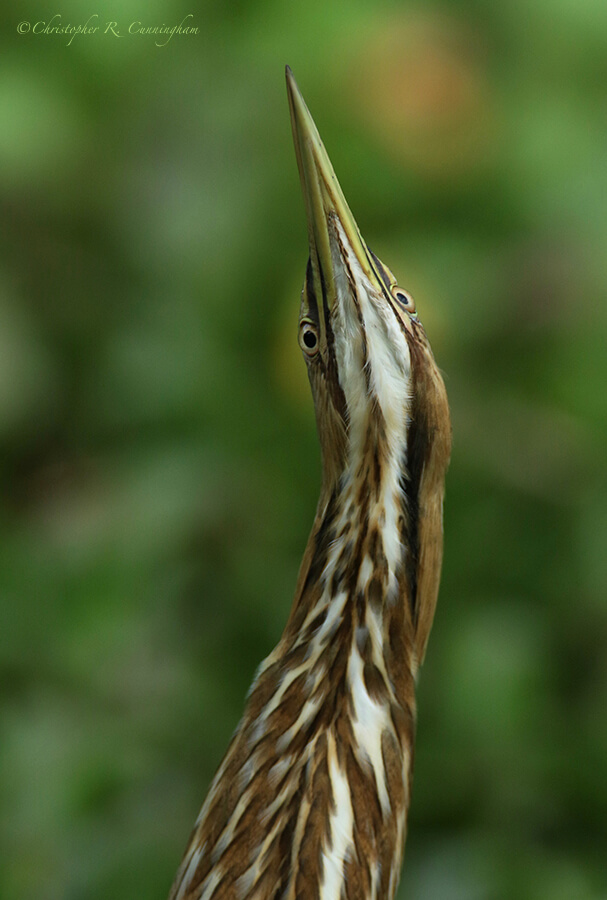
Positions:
{"x": 312, "y": 797}
{"x": 341, "y": 680}
{"x": 350, "y": 628}
{"x": 358, "y": 547}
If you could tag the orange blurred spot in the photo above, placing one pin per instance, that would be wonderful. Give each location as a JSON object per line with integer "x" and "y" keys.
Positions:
{"x": 419, "y": 84}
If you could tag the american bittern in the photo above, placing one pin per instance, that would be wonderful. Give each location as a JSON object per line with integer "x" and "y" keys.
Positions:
{"x": 311, "y": 798}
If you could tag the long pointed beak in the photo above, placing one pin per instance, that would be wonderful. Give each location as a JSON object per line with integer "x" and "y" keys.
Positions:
{"x": 323, "y": 197}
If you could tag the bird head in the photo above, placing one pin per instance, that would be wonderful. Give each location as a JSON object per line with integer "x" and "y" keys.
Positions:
{"x": 365, "y": 348}
{"x": 380, "y": 400}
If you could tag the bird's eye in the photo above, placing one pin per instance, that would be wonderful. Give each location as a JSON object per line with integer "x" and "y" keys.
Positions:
{"x": 308, "y": 337}
{"x": 405, "y": 299}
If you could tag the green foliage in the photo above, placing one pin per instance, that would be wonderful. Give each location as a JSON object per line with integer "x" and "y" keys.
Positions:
{"x": 159, "y": 462}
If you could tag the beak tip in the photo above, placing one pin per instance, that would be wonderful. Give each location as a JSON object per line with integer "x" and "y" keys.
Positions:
{"x": 291, "y": 83}
{"x": 292, "y": 89}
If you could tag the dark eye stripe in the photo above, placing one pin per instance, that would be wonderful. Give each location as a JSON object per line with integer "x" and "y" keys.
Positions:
{"x": 330, "y": 367}
{"x": 380, "y": 269}
{"x": 311, "y": 294}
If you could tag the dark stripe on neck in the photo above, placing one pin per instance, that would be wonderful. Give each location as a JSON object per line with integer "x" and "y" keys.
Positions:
{"x": 417, "y": 449}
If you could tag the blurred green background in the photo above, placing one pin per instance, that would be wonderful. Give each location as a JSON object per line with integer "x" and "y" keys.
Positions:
{"x": 159, "y": 460}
